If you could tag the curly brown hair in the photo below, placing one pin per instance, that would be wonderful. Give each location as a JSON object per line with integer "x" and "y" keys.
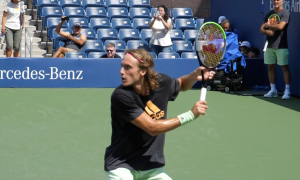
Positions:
{"x": 151, "y": 76}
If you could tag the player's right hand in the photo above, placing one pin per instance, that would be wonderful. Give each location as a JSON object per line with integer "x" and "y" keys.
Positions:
{"x": 199, "y": 108}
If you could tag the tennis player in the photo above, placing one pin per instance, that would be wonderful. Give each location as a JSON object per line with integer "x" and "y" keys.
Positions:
{"x": 277, "y": 50}
{"x": 139, "y": 117}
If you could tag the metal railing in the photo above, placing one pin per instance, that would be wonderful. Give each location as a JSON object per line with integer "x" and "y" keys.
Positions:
{"x": 28, "y": 46}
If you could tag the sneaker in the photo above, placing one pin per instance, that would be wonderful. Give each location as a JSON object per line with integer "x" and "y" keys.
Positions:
{"x": 271, "y": 94}
{"x": 286, "y": 95}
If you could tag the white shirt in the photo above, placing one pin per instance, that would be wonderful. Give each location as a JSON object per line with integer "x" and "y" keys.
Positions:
{"x": 13, "y": 15}
{"x": 160, "y": 35}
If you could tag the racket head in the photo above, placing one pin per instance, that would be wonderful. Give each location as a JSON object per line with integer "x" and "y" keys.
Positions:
{"x": 210, "y": 44}
{"x": 274, "y": 19}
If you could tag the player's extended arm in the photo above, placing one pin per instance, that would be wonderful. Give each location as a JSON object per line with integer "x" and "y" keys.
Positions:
{"x": 186, "y": 82}
{"x": 156, "y": 127}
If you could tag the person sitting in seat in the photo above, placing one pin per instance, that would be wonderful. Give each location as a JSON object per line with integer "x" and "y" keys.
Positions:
{"x": 110, "y": 51}
{"x": 253, "y": 53}
{"x": 244, "y": 48}
{"x": 73, "y": 43}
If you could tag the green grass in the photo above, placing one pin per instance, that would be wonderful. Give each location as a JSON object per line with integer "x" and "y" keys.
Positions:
{"x": 62, "y": 134}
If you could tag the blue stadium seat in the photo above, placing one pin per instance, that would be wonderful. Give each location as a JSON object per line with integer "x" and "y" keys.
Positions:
{"x": 83, "y": 21}
{"x": 51, "y": 24}
{"x": 184, "y": 24}
{"x": 89, "y": 32}
{"x": 107, "y": 34}
{"x": 92, "y": 3}
{"x": 45, "y": 3}
{"x": 117, "y": 12}
{"x": 189, "y": 55}
{"x": 139, "y": 3}
{"x": 97, "y": 23}
{"x": 70, "y": 3}
{"x": 154, "y": 9}
{"x": 199, "y": 23}
{"x": 129, "y": 34}
{"x": 120, "y": 45}
{"x": 182, "y": 46}
{"x": 140, "y": 23}
{"x": 139, "y": 12}
{"x": 176, "y": 34}
{"x": 190, "y": 34}
{"x": 121, "y": 54}
{"x": 50, "y": 12}
{"x": 153, "y": 54}
{"x": 168, "y": 55}
{"x": 75, "y": 55}
{"x": 96, "y": 54}
{"x": 118, "y": 23}
{"x": 116, "y": 3}
{"x": 95, "y": 12}
{"x": 138, "y": 44}
{"x": 146, "y": 34}
{"x": 186, "y": 13}
{"x": 93, "y": 46}
{"x": 74, "y": 12}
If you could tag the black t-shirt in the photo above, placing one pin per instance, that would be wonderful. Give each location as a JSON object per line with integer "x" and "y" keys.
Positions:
{"x": 279, "y": 40}
{"x": 115, "y": 56}
{"x": 131, "y": 147}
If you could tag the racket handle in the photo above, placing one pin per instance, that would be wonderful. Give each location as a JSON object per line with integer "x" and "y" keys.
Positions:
{"x": 203, "y": 94}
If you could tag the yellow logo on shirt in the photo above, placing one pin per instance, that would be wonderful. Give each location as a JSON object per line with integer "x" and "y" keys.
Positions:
{"x": 153, "y": 111}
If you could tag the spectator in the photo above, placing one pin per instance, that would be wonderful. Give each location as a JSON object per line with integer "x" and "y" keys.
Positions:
{"x": 110, "y": 51}
{"x": 12, "y": 26}
{"x": 73, "y": 43}
{"x": 161, "y": 26}
{"x": 244, "y": 48}
{"x": 221, "y": 18}
{"x": 253, "y": 53}
{"x": 226, "y": 26}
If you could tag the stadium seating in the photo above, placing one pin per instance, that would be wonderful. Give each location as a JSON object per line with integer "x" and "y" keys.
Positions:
{"x": 50, "y": 24}
{"x": 182, "y": 46}
{"x": 146, "y": 34}
{"x": 153, "y": 54}
{"x": 121, "y": 54}
{"x": 176, "y": 34}
{"x": 199, "y": 23}
{"x": 185, "y": 13}
{"x": 93, "y": 46}
{"x": 49, "y": 12}
{"x": 139, "y": 3}
{"x": 140, "y": 23}
{"x": 139, "y": 12}
{"x": 97, "y": 23}
{"x": 74, "y": 12}
{"x": 138, "y": 44}
{"x": 83, "y": 22}
{"x": 107, "y": 34}
{"x": 120, "y": 45}
{"x": 154, "y": 9}
{"x": 190, "y": 34}
{"x": 75, "y": 55}
{"x": 89, "y": 32}
{"x": 70, "y": 3}
{"x": 92, "y": 3}
{"x": 95, "y": 12}
{"x": 189, "y": 55}
{"x": 129, "y": 34}
{"x": 96, "y": 54}
{"x": 117, "y": 12}
{"x": 168, "y": 55}
{"x": 116, "y": 3}
{"x": 45, "y": 3}
{"x": 118, "y": 23}
{"x": 184, "y": 24}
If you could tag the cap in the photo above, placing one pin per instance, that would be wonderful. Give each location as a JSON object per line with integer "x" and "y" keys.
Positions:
{"x": 221, "y": 19}
{"x": 76, "y": 24}
{"x": 246, "y": 43}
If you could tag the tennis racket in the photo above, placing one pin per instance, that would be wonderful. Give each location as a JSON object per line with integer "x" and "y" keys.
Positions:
{"x": 273, "y": 19}
{"x": 210, "y": 46}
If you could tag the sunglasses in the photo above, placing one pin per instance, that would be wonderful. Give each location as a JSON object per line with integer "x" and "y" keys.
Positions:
{"x": 109, "y": 50}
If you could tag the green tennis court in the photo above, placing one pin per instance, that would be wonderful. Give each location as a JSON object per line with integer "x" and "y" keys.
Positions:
{"x": 62, "y": 134}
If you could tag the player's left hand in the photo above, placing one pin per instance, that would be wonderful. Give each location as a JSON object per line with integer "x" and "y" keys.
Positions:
{"x": 208, "y": 73}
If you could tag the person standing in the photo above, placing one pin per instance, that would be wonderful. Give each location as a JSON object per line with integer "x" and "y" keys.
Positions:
{"x": 139, "y": 117}
{"x": 12, "y": 26}
{"x": 161, "y": 25}
{"x": 277, "y": 49}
